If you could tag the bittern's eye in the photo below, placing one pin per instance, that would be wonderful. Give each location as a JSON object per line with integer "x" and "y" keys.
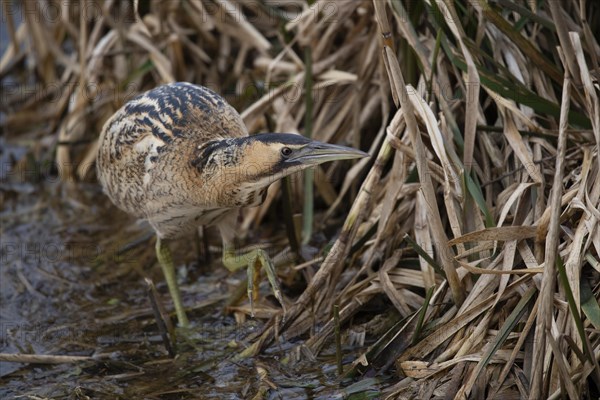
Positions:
{"x": 286, "y": 151}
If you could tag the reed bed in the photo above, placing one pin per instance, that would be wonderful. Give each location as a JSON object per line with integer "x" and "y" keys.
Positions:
{"x": 468, "y": 258}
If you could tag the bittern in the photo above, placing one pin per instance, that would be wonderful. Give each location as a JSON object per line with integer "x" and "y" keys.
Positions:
{"x": 180, "y": 156}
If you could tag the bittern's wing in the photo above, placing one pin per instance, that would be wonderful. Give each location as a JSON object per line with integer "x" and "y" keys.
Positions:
{"x": 167, "y": 122}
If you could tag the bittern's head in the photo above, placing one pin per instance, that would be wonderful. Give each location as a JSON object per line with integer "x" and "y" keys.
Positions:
{"x": 254, "y": 162}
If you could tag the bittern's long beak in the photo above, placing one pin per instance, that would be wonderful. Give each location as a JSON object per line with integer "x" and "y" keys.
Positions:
{"x": 317, "y": 153}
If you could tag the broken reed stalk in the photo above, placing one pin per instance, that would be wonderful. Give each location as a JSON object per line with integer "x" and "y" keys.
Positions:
{"x": 546, "y": 310}
{"x": 338, "y": 339}
{"x": 42, "y": 358}
{"x": 163, "y": 321}
{"x": 309, "y": 175}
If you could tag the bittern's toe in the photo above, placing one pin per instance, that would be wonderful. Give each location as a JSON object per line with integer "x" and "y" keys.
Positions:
{"x": 253, "y": 261}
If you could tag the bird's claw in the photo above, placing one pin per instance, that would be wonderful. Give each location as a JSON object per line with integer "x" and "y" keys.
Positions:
{"x": 261, "y": 258}
{"x": 254, "y": 261}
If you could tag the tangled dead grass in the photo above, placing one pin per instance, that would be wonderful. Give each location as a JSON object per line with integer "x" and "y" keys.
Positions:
{"x": 476, "y": 219}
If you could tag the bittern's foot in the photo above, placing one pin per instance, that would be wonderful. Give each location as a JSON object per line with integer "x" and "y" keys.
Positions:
{"x": 253, "y": 260}
{"x": 166, "y": 262}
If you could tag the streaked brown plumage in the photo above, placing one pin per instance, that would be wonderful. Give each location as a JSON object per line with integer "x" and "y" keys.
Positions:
{"x": 180, "y": 156}
{"x": 146, "y": 152}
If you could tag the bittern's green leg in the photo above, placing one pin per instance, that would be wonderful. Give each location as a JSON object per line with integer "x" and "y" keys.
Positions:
{"x": 166, "y": 262}
{"x": 253, "y": 260}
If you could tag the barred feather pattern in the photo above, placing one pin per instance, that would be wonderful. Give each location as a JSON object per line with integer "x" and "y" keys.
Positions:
{"x": 147, "y": 151}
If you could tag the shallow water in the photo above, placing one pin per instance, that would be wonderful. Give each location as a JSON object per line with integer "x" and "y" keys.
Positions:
{"x": 71, "y": 283}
